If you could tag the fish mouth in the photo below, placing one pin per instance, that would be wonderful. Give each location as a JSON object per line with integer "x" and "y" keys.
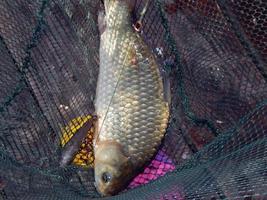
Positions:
{"x": 99, "y": 192}
{"x": 103, "y": 193}
{"x": 97, "y": 189}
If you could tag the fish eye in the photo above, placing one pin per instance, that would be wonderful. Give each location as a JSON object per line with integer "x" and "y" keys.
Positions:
{"x": 106, "y": 177}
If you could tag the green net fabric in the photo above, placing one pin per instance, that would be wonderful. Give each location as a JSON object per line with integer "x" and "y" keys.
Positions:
{"x": 215, "y": 53}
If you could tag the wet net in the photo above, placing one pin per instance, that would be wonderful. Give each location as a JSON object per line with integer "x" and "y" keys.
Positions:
{"x": 215, "y": 53}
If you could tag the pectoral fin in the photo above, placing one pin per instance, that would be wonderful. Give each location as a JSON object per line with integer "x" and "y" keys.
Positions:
{"x": 101, "y": 22}
{"x": 70, "y": 149}
{"x": 166, "y": 86}
{"x": 166, "y": 72}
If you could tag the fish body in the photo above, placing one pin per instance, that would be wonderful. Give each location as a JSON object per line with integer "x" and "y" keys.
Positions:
{"x": 130, "y": 106}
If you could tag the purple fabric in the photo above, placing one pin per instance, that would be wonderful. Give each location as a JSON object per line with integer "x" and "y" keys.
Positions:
{"x": 158, "y": 167}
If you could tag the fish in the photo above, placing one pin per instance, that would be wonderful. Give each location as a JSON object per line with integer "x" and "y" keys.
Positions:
{"x": 132, "y": 112}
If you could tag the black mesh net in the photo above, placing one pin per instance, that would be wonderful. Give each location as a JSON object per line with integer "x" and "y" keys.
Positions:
{"x": 215, "y": 53}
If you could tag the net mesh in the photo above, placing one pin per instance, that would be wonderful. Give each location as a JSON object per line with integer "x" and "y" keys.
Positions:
{"x": 215, "y": 54}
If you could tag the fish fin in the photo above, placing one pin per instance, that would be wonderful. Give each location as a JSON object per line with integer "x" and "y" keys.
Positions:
{"x": 96, "y": 133}
{"x": 106, "y": 4}
{"x": 166, "y": 86}
{"x": 74, "y": 142}
{"x": 168, "y": 65}
{"x": 101, "y": 22}
{"x": 131, "y": 4}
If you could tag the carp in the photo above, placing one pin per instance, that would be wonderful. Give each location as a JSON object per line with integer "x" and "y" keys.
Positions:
{"x": 130, "y": 105}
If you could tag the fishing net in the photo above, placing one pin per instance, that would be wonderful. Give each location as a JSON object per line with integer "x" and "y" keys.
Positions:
{"x": 215, "y": 54}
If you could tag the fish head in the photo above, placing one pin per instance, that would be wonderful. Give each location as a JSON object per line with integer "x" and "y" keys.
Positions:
{"x": 113, "y": 168}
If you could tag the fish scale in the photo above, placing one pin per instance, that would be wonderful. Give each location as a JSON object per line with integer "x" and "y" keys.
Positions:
{"x": 139, "y": 87}
{"x": 129, "y": 101}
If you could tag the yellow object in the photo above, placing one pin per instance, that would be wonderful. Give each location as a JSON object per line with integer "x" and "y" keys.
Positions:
{"x": 84, "y": 157}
